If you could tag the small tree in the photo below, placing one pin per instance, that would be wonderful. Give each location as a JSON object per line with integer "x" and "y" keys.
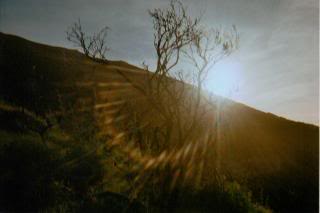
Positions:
{"x": 174, "y": 29}
{"x": 207, "y": 48}
{"x": 180, "y": 119}
{"x": 93, "y": 46}
{"x": 178, "y": 105}
{"x": 178, "y": 35}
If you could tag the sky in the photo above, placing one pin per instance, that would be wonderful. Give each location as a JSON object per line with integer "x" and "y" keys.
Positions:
{"x": 275, "y": 69}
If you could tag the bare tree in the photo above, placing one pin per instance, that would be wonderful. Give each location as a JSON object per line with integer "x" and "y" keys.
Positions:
{"x": 174, "y": 29}
{"x": 208, "y": 48}
{"x": 175, "y": 105}
{"x": 178, "y": 35}
{"x": 93, "y": 46}
{"x": 204, "y": 52}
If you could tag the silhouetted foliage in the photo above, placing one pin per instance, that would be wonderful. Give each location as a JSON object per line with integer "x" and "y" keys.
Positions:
{"x": 35, "y": 177}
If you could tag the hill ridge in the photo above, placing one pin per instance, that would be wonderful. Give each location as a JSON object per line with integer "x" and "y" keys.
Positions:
{"x": 120, "y": 64}
{"x": 261, "y": 145}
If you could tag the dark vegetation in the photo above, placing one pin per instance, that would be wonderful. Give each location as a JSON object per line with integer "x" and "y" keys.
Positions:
{"x": 93, "y": 46}
{"x": 78, "y": 135}
{"x": 275, "y": 159}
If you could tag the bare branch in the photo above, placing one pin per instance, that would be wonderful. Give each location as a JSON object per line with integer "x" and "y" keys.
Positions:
{"x": 93, "y": 46}
{"x": 174, "y": 29}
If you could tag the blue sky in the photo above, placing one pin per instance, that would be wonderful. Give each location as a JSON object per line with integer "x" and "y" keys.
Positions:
{"x": 276, "y": 68}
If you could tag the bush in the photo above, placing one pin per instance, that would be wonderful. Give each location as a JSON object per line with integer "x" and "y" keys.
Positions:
{"x": 213, "y": 198}
{"x": 34, "y": 177}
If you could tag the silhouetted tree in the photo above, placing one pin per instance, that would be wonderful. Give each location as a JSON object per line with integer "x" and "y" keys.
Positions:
{"x": 178, "y": 106}
{"x": 206, "y": 49}
{"x": 174, "y": 29}
{"x": 93, "y": 46}
{"x": 178, "y": 35}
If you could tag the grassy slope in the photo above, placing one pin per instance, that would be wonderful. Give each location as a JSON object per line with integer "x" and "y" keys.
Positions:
{"x": 251, "y": 143}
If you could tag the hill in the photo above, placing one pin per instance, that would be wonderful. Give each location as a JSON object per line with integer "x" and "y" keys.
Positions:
{"x": 275, "y": 158}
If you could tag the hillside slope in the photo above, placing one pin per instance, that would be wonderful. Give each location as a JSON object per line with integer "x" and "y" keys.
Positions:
{"x": 259, "y": 148}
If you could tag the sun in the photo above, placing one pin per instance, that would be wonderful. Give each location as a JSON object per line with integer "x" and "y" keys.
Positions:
{"x": 224, "y": 79}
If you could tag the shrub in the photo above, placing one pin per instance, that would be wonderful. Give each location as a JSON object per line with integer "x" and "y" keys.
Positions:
{"x": 35, "y": 177}
{"x": 229, "y": 198}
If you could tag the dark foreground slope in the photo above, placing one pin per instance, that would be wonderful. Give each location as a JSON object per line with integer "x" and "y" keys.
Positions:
{"x": 275, "y": 158}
